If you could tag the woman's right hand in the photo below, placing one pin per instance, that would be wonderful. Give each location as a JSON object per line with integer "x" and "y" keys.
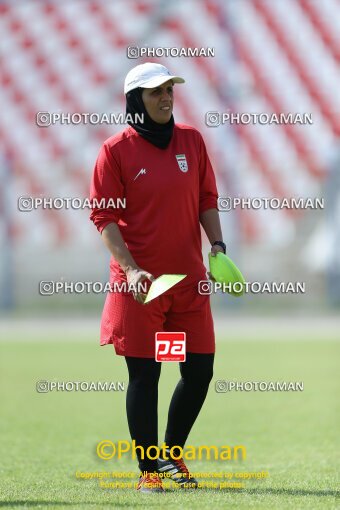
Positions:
{"x": 134, "y": 277}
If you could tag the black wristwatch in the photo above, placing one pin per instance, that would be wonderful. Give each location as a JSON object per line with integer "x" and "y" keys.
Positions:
{"x": 220, "y": 243}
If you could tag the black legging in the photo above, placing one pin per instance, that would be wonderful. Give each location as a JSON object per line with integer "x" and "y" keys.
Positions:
{"x": 186, "y": 402}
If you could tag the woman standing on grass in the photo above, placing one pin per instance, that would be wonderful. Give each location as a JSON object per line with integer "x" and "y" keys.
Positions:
{"x": 163, "y": 171}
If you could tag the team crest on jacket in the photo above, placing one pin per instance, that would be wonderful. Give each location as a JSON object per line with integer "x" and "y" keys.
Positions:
{"x": 182, "y": 162}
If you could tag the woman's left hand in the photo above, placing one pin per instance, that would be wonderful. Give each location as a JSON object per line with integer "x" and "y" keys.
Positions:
{"x": 215, "y": 249}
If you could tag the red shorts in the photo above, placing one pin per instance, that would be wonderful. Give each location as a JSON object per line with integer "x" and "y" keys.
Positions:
{"x": 131, "y": 326}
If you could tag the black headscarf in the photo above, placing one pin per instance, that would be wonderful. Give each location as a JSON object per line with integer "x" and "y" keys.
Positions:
{"x": 155, "y": 133}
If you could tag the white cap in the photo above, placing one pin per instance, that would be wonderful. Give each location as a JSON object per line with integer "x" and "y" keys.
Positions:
{"x": 148, "y": 76}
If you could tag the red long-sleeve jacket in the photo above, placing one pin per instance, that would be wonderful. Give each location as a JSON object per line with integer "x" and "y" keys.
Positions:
{"x": 165, "y": 191}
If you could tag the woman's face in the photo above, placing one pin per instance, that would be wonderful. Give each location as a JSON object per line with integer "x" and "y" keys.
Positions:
{"x": 159, "y": 102}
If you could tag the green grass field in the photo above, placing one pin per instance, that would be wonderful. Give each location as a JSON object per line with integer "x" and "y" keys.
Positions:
{"x": 46, "y": 438}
